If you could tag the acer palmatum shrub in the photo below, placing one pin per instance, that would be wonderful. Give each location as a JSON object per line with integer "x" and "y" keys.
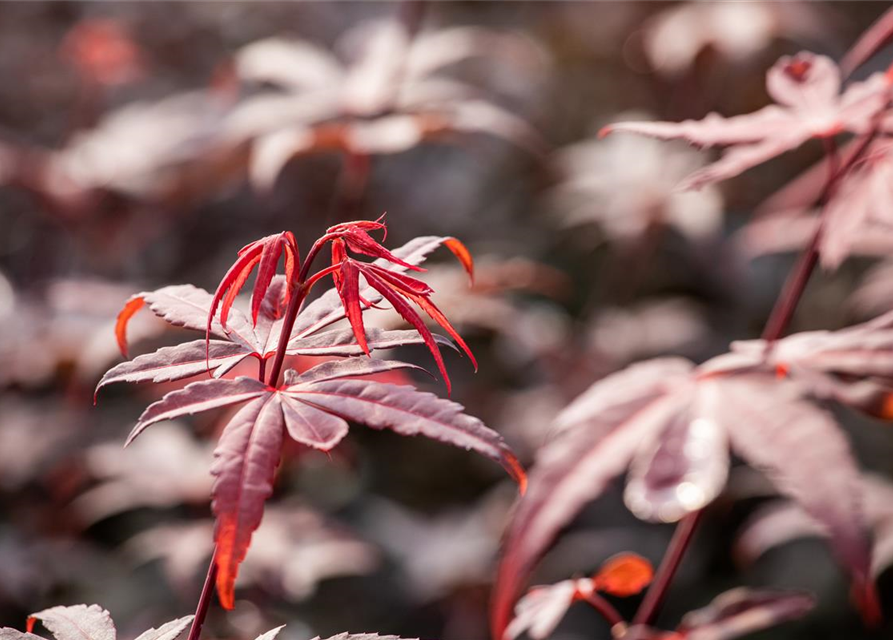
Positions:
{"x": 312, "y": 407}
{"x": 672, "y": 425}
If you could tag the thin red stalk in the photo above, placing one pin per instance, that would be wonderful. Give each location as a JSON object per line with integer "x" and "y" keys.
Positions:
{"x": 656, "y": 593}
{"x": 605, "y": 608}
{"x": 779, "y": 319}
{"x": 204, "y": 601}
{"x": 291, "y": 313}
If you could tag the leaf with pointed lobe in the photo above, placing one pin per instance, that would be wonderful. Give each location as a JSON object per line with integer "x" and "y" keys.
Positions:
{"x": 271, "y": 634}
{"x": 407, "y": 412}
{"x": 348, "y": 287}
{"x": 349, "y": 368}
{"x": 169, "y": 631}
{"x": 188, "y": 306}
{"x": 177, "y": 362}
{"x": 781, "y": 522}
{"x": 78, "y": 622}
{"x": 328, "y": 309}
{"x": 598, "y": 434}
{"x": 264, "y": 254}
{"x": 311, "y": 426}
{"x": 806, "y": 88}
{"x": 245, "y": 462}
{"x": 408, "y": 313}
{"x": 800, "y": 448}
{"x": 742, "y": 611}
{"x": 853, "y": 366}
{"x": 342, "y": 342}
{"x": 196, "y": 397}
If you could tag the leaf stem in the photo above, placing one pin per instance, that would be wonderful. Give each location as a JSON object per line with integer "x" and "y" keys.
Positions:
{"x": 656, "y": 593}
{"x": 605, "y": 608}
{"x": 291, "y": 313}
{"x": 204, "y": 601}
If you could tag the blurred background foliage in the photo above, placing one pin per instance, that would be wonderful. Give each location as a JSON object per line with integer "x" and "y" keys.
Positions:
{"x": 142, "y": 144}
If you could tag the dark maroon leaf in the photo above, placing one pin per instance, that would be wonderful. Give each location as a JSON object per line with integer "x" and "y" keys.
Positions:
{"x": 244, "y": 467}
{"x": 407, "y": 412}
{"x": 197, "y": 397}
{"x": 175, "y": 363}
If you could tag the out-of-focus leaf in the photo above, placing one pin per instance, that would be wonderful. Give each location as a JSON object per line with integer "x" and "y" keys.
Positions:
{"x": 737, "y": 31}
{"x": 806, "y": 89}
{"x": 742, "y": 611}
{"x": 539, "y": 612}
{"x": 169, "y": 631}
{"x": 679, "y": 422}
{"x": 292, "y": 553}
{"x": 599, "y": 434}
{"x": 625, "y": 574}
{"x": 627, "y": 184}
{"x": 780, "y": 523}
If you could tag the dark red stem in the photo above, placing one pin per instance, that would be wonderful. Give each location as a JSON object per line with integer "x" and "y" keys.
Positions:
{"x": 656, "y": 593}
{"x": 291, "y": 313}
{"x": 204, "y": 601}
{"x": 605, "y": 608}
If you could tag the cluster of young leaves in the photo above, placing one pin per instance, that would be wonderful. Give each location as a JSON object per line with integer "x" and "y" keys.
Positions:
{"x": 312, "y": 407}
{"x": 83, "y": 622}
{"x": 672, "y": 425}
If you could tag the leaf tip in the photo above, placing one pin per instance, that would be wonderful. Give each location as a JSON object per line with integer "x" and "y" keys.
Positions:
{"x": 134, "y": 304}
{"x": 605, "y": 131}
{"x": 463, "y": 255}
{"x": 29, "y": 624}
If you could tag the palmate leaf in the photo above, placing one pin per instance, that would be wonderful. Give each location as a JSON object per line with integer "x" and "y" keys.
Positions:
{"x": 384, "y": 99}
{"x": 82, "y": 622}
{"x": 313, "y": 408}
{"x": 675, "y": 424}
{"x": 806, "y": 89}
